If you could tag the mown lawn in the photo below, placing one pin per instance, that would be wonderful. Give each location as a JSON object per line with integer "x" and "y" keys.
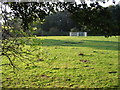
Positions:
{"x": 68, "y": 62}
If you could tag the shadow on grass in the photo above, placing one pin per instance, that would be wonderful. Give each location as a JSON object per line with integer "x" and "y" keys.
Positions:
{"x": 103, "y": 45}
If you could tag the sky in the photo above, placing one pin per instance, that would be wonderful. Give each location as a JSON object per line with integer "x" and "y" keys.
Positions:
{"x": 108, "y": 2}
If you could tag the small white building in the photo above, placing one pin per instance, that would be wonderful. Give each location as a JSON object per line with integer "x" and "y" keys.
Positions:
{"x": 78, "y": 34}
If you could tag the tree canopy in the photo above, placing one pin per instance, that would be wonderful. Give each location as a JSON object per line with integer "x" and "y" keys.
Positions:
{"x": 95, "y": 17}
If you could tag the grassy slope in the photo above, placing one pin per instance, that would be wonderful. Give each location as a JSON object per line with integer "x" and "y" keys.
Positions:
{"x": 71, "y": 62}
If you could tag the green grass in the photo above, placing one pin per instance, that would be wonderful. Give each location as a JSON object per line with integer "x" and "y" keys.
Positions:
{"x": 68, "y": 62}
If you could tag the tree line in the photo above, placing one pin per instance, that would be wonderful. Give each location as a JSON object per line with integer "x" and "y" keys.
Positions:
{"x": 100, "y": 23}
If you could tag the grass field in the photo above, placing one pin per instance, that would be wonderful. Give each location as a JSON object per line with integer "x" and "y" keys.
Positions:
{"x": 68, "y": 62}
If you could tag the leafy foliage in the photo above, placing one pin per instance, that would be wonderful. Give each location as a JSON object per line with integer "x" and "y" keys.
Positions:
{"x": 14, "y": 38}
{"x": 61, "y": 20}
{"x": 74, "y": 29}
{"x": 94, "y": 17}
{"x": 115, "y": 20}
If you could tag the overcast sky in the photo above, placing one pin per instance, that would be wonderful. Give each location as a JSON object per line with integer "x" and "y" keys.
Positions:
{"x": 108, "y": 2}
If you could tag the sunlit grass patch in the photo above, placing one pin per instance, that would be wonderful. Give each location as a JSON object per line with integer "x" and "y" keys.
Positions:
{"x": 68, "y": 62}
